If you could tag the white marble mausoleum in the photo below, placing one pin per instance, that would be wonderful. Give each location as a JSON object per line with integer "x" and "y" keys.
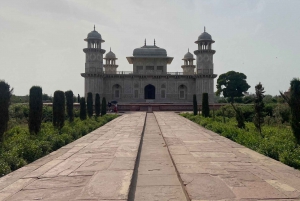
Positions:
{"x": 149, "y": 80}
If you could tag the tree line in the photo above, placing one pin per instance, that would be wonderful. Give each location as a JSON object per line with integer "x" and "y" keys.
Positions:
{"x": 62, "y": 103}
{"x": 233, "y": 85}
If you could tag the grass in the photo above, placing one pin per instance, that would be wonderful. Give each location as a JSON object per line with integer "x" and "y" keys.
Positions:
{"x": 277, "y": 142}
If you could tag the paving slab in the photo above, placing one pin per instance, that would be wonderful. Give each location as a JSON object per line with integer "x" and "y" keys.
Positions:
{"x": 213, "y": 167}
{"x": 98, "y": 166}
{"x": 155, "y": 176}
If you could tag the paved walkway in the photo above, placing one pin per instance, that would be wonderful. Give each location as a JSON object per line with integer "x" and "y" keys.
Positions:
{"x": 156, "y": 175}
{"x": 215, "y": 168}
{"x": 175, "y": 159}
{"x": 98, "y": 166}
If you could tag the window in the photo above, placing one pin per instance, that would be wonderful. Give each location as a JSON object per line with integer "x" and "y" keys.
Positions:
{"x": 160, "y": 68}
{"x": 181, "y": 94}
{"x": 136, "y": 93}
{"x": 163, "y": 94}
{"x": 117, "y": 93}
{"x": 163, "y": 86}
{"x": 149, "y": 67}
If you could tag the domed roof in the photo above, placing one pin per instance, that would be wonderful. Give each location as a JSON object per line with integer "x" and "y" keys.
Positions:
{"x": 94, "y": 35}
{"x": 188, "y": 55}
{"x": 205, "y": 37}
{"x": 149, "y": 51}
{"x": 110, "y": 55}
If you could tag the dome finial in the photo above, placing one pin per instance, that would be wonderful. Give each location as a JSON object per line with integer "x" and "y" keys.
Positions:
{"x": 154, "y": 41}
{"x": 110, "y": 49}
{"x": 94, "y": 27}
{"x": 188, "y": 49}
{"x": 145, "y": 41}
{"x": 204, "y": 29}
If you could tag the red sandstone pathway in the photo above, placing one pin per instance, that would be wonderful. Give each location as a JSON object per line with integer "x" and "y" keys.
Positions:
{"x": 98, "y": 166}
{"x": 194, "y": 162}
{"x": 215, "y": 168}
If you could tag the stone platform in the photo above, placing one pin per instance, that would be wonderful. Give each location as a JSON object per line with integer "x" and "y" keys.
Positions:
{"x": 154, "y": 156}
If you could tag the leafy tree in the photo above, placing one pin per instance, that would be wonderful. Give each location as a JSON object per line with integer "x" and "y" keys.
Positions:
{"x": 45, "y": 97}
{"x": 205, "y": 105}
{"x": 35, "y": 109}
{"x": 103, "y": 106}
{"x": 90, "y": 104}
{"x": 293, "y": 99}
{"x": 248, "y": 99}
{"x": 70, "y": 103}
{"x": 97, "y": 105}
{"x": 232, "y": 85}
{"x": 195, "y": 104}
{"x": 5, "y": 95}
{"x": 59, "y": 109}
{"x": 259, "y": 107}
{"x": 82, "y": 109}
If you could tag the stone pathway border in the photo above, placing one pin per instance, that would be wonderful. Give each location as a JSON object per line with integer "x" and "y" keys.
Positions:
{"x": 98, "y": 166}
{"x": 213, "y": 167}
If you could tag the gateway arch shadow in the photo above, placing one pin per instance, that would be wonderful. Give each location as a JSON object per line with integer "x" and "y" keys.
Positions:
{"x": 149, "y": 91}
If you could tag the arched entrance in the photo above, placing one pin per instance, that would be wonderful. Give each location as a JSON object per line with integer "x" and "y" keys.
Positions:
{"x": 149, "y": 92}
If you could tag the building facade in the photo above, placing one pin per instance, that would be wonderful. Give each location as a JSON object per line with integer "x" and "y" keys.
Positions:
{"x": 149, "y": 80}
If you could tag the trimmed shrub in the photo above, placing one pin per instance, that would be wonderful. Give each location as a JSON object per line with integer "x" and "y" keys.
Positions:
{"x": 5, "y": 95}
{"x": 78, "y": 98}
{"x": 103, "y": 107}
{"x": 97, "y": 105}
{"x": 293, "y": 99}
{"x": 35, "y": 109}
{"x": 195, "y": 105}
{"x": 259, "y": 107}
{"x": 59, "y": 109}
{"x": 205, "y": 105}
{"x": 89, "y": 103}
{"x": 70, "y": 103}
{"x": 82, "y": 109}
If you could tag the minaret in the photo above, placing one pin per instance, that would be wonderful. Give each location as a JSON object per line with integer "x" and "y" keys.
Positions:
{"x": 205, "y": 66}
{"x": 188, "y": 67}
{"x": 110, "y": 64}
{"x": 205, "y": 54}
{"x": 93, "y": 63}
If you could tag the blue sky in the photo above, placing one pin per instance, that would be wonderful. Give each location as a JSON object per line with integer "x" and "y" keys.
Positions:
{"x": 41, "y": 42}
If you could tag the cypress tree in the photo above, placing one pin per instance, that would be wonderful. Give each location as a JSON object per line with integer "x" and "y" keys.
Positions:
{"x": 259, "y": 107}
{"x": 195, "y": 104}
{"x": 5, "y": 95}
{"x": 103, "y": 107}
{"x": 59, "y": 109}
{"x": 82, "y": 109}
{"x": 78, "y": 98}
{"x": 294, "y": 102}
{"x": 70, "y": 103}
{"x": 97, "y": 105}
{"x": 35, "y": 109}
{"x": 89, "y": 103}
{"x": 205, "y": 105}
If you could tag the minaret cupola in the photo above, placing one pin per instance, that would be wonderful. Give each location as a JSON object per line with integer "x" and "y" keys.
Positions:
{"x": 188, "y": 67}
{"x": 94, "y": 53}
{"x": 110, "y": 64}
{"x": 205, "y": 53}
